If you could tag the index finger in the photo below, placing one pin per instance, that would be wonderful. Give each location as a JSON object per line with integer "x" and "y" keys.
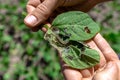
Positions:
{"x": 105, "y": 48}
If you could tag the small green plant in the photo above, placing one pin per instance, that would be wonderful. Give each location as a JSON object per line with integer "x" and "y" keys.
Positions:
{"x": 68, "y": 33}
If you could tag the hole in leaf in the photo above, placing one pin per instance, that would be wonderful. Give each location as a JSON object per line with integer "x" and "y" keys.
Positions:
{"x": 87, "y": 30}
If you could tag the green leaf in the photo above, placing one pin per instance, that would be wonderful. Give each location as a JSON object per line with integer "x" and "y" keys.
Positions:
{"x": 75, "y": 24}
{"x": 68, "y": 33}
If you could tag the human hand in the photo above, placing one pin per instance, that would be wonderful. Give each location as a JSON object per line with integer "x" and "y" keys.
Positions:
{"x": 107, "y": 69}
{"x": 40, "y": 10}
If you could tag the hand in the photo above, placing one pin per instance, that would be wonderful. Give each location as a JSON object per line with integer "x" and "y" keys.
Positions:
{"x": 107, "y": 69}
{"x": 40, "y": 10}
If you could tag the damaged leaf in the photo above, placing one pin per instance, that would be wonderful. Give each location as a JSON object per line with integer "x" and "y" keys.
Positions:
{"x": 68, "y": 33}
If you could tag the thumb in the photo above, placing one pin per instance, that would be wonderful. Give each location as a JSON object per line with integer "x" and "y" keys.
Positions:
{"x": 41, "y": 13}
{"x": 110, "y": 72}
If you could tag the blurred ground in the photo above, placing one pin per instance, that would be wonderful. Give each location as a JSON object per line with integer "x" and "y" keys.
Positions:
{"x": 25, "y": 55}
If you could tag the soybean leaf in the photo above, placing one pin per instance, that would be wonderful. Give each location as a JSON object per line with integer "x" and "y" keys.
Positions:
{"x": 68, "y": 33}
{"x": 76, "y": 24}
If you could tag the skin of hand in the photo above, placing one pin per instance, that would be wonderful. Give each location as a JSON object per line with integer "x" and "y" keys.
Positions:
{"x": 109, "y": 67}
{"x": 40, "y": 11}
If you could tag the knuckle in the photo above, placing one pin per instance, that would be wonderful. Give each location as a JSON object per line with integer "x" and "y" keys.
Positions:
{"x": 43, "y": 10}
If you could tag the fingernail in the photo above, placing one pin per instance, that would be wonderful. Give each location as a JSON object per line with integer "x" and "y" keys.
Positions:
{"x": 31, "y": 20}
